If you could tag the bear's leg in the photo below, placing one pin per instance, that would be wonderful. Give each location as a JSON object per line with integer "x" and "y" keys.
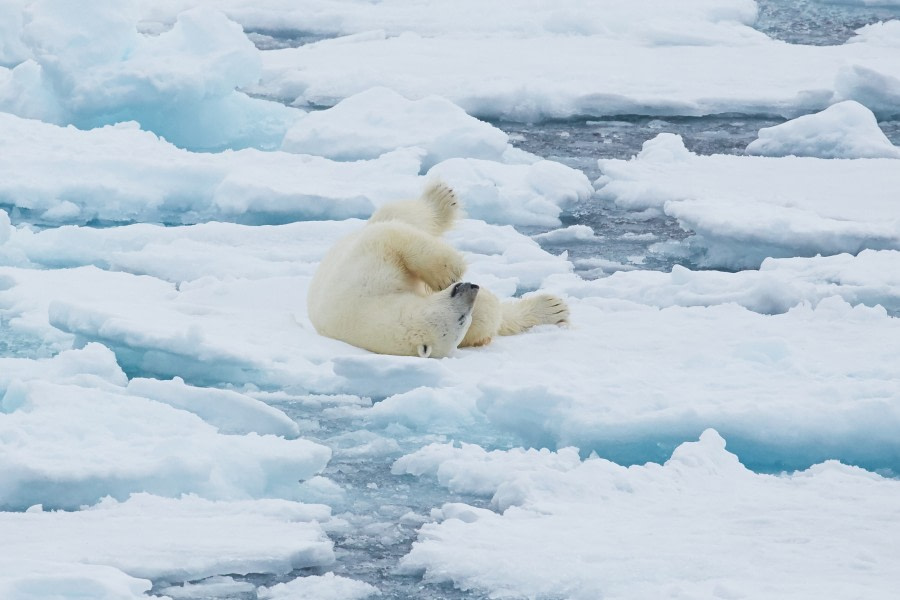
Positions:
{"x": 490, "y": 317}
{"x": 424, "y": 256}
{"x": 537, "y": 309}
{"x": 486, "y": 317}
{"x": 435, "y": 211}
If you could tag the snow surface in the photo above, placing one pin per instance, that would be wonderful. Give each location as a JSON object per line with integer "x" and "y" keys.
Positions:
{"x": 172, "y": 426}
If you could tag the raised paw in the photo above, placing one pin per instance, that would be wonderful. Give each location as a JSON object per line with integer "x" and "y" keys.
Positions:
{"x": 444, "y": 204}
{"x": 445, "y": 272}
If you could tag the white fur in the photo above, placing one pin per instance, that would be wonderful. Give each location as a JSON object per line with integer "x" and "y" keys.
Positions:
{"x": 388, "y": 288}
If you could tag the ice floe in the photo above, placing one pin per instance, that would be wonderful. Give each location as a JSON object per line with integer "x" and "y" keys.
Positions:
{"x": 179, "y": 539}
{"x": 742, "y": 210}
{"x": 670, "y": 76}
{"x": 845, "y": 130}
{"x": 701, "y": 525}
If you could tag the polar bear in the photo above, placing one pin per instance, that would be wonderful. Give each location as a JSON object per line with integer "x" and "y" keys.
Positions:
{"x": 395, "y": 287}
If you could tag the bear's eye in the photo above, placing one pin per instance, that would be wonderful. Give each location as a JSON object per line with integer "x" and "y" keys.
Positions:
{"x": 424, "y": 350}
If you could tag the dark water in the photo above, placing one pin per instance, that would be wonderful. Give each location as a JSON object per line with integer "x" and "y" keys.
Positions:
{"x": 816, "y": 22}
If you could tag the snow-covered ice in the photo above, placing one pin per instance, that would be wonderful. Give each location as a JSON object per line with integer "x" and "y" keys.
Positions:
{"x": 325, "y": 587}
{"x": 380, "y": 120}
{"x": 101, "y": 176}
{"x": 742, "y": 210}
{"x": 172, "y": 426}
{"x": 699, "y": 526}
{"x": 671, "y": 73}
{"x": 845, "y": 130}
{"x": 164, "y": 539}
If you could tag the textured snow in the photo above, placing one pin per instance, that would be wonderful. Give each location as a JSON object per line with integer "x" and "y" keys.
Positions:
{"x": 844, "y": 130}
{"x": 742, "y": 210}
{"x": 585, "y": 531}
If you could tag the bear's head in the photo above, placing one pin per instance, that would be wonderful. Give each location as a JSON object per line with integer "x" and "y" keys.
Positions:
{"x": 446, "y": 320}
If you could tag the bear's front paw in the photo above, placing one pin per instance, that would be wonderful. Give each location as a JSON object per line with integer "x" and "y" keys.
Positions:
{"x": 445, "y": 275}
{"x": 546, "y": 309}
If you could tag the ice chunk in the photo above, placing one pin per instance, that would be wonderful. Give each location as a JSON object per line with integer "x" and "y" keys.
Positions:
{"x": 745, "y": 209}
{"x": 321, "y": 587}
{"x": 34, "y": 578}
{"x": 532, "y": 194}
{"x": 428, "y": 410}
{"x": 670, "y": 71}
{"x": 471, "y": 469}
{"x": 703, "y": 21}
{"x": 174, "y": 540}
{"x": 844, "y": 130}
{"x": 180, "y": 84}
{"x": 572, "y": 233}
{"x": 102, "y": 175}
{"x": 229, "y": 411}
{"x": 213, "y": 587}
{"x": 378, "y": 376}
{"x": 871, "y": 278}
{"x": 5, "y": 227}
{"x": 583, "y": 532}
{"x": 92, "y": 366}
{"x": 379, "y": 120}
{"x": 105, "y": 442}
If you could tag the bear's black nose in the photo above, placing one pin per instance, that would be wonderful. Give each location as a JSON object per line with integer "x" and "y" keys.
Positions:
{"x": 462, "y": 287}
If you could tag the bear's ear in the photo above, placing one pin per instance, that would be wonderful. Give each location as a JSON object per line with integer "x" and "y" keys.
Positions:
{"x": 424, "y": 350}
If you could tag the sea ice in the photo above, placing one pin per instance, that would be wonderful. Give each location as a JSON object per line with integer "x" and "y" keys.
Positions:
{"x": 871, "y": 278}
{"x": 38, "y": 578}
{"x": 708, "y": 21}
{"x": 104, "y": 175}
{"x": 745, "y": 209}
{"x": 844, "y": 130}
{"x": 379, "y": 120}
{"x": 700, "y": 526}
{"x": 180, "y": 83}
{"x": 122, "y": 174}
{"x": 324, "y": 587}
{"x": 521, "y": 194}
{"x": 173, "y": 539}
{"x": 669, "y": 75}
